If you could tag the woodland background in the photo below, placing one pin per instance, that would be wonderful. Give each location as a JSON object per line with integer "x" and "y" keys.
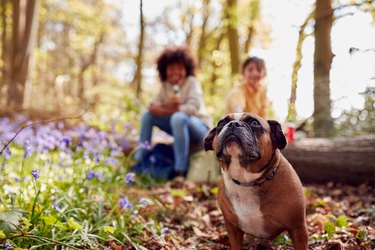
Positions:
{"x": 75, "y": 78}
{"x": 65, "y": 56}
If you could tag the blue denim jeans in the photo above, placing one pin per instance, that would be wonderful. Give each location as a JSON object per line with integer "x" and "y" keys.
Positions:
{"x": 182, "y": 127}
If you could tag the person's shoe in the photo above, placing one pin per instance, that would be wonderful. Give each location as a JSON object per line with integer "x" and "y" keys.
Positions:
{"x": 180, "y": 173}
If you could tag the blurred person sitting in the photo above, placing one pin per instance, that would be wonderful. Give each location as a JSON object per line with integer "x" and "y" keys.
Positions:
{"x": 251, "y": 94}
{"x": 178, "y": 108}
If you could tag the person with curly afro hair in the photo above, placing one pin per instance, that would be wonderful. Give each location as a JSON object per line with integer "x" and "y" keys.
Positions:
{"x": 178, "y": 108}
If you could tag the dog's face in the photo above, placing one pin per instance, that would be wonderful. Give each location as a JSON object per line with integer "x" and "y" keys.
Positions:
{"x": 244, "y": 140}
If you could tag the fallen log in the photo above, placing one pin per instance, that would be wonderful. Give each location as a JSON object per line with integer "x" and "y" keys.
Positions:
{"x": 345, "y": 160}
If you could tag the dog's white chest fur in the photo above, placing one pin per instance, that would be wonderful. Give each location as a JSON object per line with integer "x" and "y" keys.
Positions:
{"x": 246, "y": 206}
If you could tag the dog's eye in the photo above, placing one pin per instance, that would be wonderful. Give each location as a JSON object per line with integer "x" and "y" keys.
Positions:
{"x": 254, "y": 123}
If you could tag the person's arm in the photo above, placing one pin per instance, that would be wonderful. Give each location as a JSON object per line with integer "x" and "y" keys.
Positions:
{"x": 194, "y": 97}
{"x": 263, "y": 112}
{"x": 161, "y": 110}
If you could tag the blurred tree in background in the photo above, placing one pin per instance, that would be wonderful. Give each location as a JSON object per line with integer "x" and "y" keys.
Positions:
{"x": 63, "y": 56}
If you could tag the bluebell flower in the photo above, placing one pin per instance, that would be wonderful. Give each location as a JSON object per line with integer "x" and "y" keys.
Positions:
{"x": 145, "y": 145}
{"x": 56, "y": 206}
{"x": 8, "y": 152}
{"x": 90, "y": 174}
{"x": 28, "y": 148}
{"x": 143, "y": 201}
{"x": 125, "y": 203}
{"x": 65, "y": 141}
{"x": 99, "y": 176}
{"x": 152, "y": 159}
{"x": 35, "y": 173}
{"x": 130, "y": 177}
{"x": 112, "y": 161}
{"x": 124, "y": 143}
{"x": 8, "y": 245}
{"x": 60, "y": 125}
{"x": 165, "y": 231}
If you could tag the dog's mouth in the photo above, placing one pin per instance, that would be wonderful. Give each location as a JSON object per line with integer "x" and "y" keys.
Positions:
{"x": 231, "y": 145}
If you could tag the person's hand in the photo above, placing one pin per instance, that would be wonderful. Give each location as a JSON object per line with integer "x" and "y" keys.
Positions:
{"x": 163, "y": 110}
{"x": 156, "y": 109}
{"x": 172, "y": 103}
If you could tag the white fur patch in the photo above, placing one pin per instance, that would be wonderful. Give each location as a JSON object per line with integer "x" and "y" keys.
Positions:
{"x": 237, "y": 116}
{"x": 246, "y": 206}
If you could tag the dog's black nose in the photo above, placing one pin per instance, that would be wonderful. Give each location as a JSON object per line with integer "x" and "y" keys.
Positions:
{"x": 234, "y": 124}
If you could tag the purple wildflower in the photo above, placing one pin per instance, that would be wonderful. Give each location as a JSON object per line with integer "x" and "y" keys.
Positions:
{"x": 124, "y": 143}
{"x": 165, "y": 231}
{"x": 90, "y": 174}
{"x": 8, "y": 245}
{"x": 99, "y": 176}
{"x": 27, "y": 149}
{"x": 65, "y": 141}
{"x": 35, "y": 173}
{"x": 152, "y": 159}
{"x": 112, "y": 161}
{"x": 56, "y": 206}
{"x": 8, "y": 153}
{"x": 130, "y": 177}
{"x": 145, "y": 145}
{"x": 143, "y": 201}
{"x": 125, "y": 203}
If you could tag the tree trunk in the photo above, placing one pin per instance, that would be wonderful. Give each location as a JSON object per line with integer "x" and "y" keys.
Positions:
{"x": 234, "y": 47}
{"x": 139, "y": 60}
{"x": 202, "y": 48}
{"x": 346, "y": 160}
{"x": 23, "y": 25}
{"x": 253, "y": 15}
{"x": 323, "y": 123}
{"x": 85, "y": 66}
{"x": 296, "y": 66}
{"x": 4, "y": 51}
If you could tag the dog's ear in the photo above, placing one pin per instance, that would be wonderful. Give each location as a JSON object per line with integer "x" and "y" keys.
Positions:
{"x": 209, "y": 140}
{"x": 277, "y": 135}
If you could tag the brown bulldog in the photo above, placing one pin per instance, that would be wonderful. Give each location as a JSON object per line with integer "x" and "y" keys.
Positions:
{"x": 259, "y": 192}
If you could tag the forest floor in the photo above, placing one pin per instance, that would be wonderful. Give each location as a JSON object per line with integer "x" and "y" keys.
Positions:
{"x": 338, "y": 217}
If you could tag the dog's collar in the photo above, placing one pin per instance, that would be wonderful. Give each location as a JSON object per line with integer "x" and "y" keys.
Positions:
{"x": 263, "y": 178}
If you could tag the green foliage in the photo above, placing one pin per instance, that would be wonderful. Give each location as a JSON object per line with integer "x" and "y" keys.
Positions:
{"x": 10, "y": 220}
{"x": 335, "y": 224}
{"x": 359, "y": 121}
{"x": 330, "y": 229}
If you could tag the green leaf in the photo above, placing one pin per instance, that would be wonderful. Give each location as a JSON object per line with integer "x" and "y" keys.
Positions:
{"x": 320, "y": 203}
{"x": 361, "y": 234}
{"x": 60, "y": 225}
{"x": 2, "y": 234}
{"x": 9, "y": 220}
{"x": 178, "y": 192}
{"x": 342, "y": 221}
{"x": 108, "y": 229}
{"x": 74, "y": 225}
{"x": 282, "y": 239}
{"x": 214, "y": 190}
{"x": 331, "y": 217}
{"x": 26, "y": 222}
{"x": 330, "y": 228}
{"x": 50, "y": 220}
